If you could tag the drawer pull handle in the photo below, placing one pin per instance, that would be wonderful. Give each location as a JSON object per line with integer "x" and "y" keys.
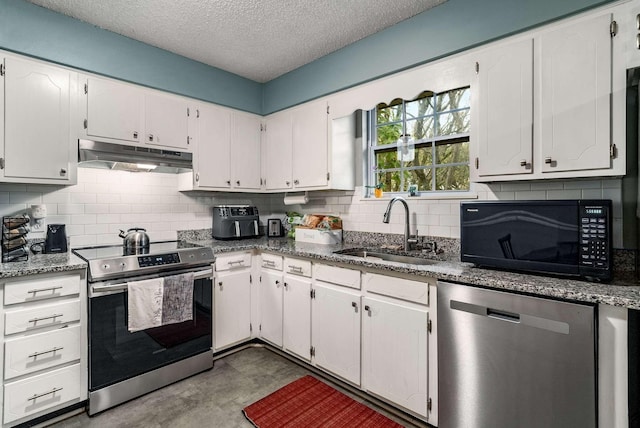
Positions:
{"x": 235, "y": 262}
{"x": 296, "y": 269}
{"x": 36, "y": 320}
{"x": 36, "y": 396}
{"x": 269, "y": 263}
{"x": 42, "y": 290}
{"x": 52, "y": 350}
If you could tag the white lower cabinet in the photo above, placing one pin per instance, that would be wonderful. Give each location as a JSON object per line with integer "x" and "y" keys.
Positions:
{"x": 232, "y": 300}
{"x": 296, "y": 327}
{"x": 271, "y": 286}
{"x": 394, "y": 352}
{"x": 335, "y": 330}
{"x": 34, "y": 394}
{"x": 44, "y": 343}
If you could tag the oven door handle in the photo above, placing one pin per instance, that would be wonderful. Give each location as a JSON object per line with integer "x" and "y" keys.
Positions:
{"x": 201, "y": 274}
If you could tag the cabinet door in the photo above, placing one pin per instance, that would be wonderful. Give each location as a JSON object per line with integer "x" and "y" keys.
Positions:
{"x": 232, "y": 308}
{"x": 505, "y": 135}
{"x": 394, "y": 359}
{"x": 166, "y": 121}
{"x": 213, "y": 156}
{"x": 271, "y": 307}
{"x": 335, "y": 331}
{"x": 37, "y": 134}
{"x": 297, "y": 316}
{"x": 310, "y": 145}
{"x": 114, "y": 110}
{"x": 278, "y": 152}
{"x": 575, "y": 88}
{"x": 245, "y": 151}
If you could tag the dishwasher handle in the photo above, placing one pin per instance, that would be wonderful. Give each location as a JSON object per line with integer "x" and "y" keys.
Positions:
{"x": 503, "y": 315}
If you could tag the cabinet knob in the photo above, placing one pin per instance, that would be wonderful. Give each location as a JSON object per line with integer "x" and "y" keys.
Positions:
{"x": 197, "y": 177}
{"x": 150, "y": 137}
{"x": 220, "y": 285}
{"x": 354, "y": 305}
{"x": 368, "y": 309}
{"x": 228, "y": 182}
{"x": 549, "y": 161}
{"x": 288, "y": 183}
{"x": 296, "y": 181}
{"x": 63, "y": 171}
{"x": 286, "y": 286}
{"x": 523, "y": 162}
{"x": 277, "y": 282}
{"x": 237, "y": 182}
{"x": 135, "y": 135}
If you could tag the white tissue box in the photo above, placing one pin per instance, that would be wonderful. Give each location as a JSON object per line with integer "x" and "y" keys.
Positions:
{"x": 319, "y": 236}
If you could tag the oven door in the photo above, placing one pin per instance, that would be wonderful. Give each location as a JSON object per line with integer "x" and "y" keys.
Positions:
{"x": 115, "y": 354}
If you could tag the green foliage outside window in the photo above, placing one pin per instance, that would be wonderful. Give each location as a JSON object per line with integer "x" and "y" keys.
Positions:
{"x": 438, "y": 125}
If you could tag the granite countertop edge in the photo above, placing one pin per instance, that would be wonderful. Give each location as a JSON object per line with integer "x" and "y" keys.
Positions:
{"x": 617, "y": 293}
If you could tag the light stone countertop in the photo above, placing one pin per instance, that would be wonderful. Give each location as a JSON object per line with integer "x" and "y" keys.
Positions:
{"x": 617, "y": 293}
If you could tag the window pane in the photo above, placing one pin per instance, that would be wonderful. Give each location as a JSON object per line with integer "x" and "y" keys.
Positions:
{"x": 387, "y": 160}
{"x": 452, "y": 178}
{"x": 452, "y": 100}
{"x": 421, "y": 177}
{"x": 389, "y": 113}
{"x": 453, "y": 123}
{"x": 419, "y": 107}
{"x": 424, "y": 157}
{"x": 452, "y": 153}
{"x": 420, "y": 128}
{"x": 390, "y": 180}
{"x": 388, "y": 134}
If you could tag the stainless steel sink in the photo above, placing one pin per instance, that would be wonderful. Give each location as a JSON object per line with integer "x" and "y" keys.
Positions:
{"x": 376, "y": 255}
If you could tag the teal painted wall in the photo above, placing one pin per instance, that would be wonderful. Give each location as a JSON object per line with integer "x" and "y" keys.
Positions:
{"x": 449, "y": 28}
{"x": 446, "y": 29}
{"x": 37, "y": 32}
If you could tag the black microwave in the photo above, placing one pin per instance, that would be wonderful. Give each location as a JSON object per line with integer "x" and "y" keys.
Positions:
{"x": 565, "y": 237}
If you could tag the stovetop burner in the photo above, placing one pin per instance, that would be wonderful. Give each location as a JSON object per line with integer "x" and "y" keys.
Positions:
{"x": 116, "y": 261}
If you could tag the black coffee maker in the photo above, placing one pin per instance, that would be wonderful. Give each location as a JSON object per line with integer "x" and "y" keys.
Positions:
{"x": 56, "y": 241}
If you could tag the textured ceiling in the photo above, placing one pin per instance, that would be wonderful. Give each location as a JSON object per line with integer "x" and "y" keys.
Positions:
{"x": 260, "y": 40}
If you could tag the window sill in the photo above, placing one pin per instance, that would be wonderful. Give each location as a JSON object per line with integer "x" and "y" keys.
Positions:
{"x": 423, "y": 197}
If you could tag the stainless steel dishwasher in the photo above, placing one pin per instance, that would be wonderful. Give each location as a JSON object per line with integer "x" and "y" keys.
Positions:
{"x": 507, "y": 360}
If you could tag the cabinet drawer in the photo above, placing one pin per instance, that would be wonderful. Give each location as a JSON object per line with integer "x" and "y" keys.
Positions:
{"x": 405, "y": 289}
{"x": 271, "y": 261}
{"x": 42, "y": 316}
{"x": 41, "y": 351}
{"x": 233, "y": 261}
{"x": 46, "y": 287}
{"x": 37, "y": 393}
{"x": 337, "y": 275}
{"x": 297, "y": 266}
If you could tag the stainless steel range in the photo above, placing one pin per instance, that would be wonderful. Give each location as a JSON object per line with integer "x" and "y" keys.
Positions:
{"x": 126, "y": 363}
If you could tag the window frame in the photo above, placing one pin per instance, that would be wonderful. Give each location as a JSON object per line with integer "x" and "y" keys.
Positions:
{"x": 432, "y": 142}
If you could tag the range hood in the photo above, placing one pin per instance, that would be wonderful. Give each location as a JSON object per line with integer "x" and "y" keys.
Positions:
{"x": 97, "y": 154}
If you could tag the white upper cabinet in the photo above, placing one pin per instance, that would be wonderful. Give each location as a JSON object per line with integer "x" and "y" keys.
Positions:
{"x": 310, "y": 145}
{"x": 166, "y": 121}
{"x": 505, "y": 109}
{"x": 37, "y": 143}
{"x": 114, "y": 110}
{"x": 278, "y": 152}
{"x": 575, "y": 88}
{"x": 212, "y": 158}
{"x": 245, "y": 151}
{"x": 307, "y": 149}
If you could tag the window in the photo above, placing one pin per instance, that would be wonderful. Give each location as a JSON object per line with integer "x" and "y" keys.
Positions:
{"x": 423, "y": 142}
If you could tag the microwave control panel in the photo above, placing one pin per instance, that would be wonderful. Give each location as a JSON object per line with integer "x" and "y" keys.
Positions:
{"x": 595, "y": 237}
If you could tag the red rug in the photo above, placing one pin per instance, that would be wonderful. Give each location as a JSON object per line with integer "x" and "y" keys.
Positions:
{"x": 307, "y": 403}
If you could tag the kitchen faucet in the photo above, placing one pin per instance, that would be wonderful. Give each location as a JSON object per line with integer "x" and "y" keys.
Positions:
{"x": 387, "y": 214}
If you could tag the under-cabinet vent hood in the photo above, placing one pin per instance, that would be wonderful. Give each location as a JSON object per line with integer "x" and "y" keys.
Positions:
{"x": 96, "y": 154}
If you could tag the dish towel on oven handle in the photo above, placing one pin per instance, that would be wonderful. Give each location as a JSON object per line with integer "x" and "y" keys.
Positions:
{"x": 160, "y": 301}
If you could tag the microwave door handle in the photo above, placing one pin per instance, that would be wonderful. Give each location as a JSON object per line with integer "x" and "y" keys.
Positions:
{"x": 237, "y": 224}
{"x": 255, "y": 227}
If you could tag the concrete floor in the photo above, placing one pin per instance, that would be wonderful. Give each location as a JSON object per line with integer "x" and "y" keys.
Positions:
{"x": 214, "y": 398}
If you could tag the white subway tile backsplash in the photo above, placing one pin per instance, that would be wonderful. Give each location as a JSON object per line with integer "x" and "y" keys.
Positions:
{"x": 83, "y": 198}
{"x": 71, "y": 209}
{"x": 531, "y": 194}
{"x": 564, "y": 194}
